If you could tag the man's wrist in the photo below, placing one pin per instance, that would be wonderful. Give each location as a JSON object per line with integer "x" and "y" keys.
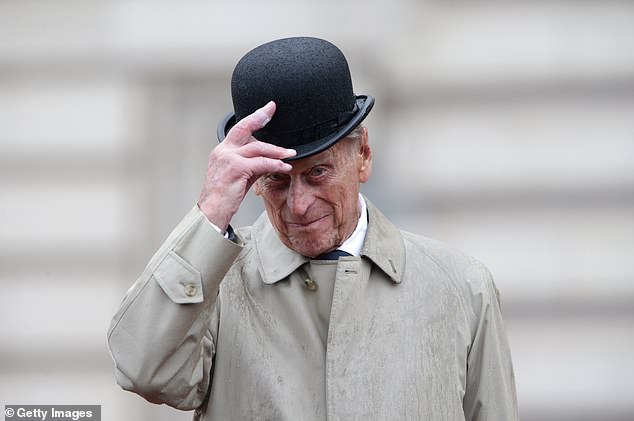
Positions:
{"x": 228, "y": 232}
{"x": 215, "y": 217}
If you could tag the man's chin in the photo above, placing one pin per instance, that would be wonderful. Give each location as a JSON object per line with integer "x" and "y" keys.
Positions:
{"x": 312, "y": 249}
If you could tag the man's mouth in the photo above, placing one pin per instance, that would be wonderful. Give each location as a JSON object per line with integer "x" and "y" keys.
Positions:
{"x": 305, "y": 224}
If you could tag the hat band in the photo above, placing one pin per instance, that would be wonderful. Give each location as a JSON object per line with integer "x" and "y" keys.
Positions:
{"x": 308, "y": 134}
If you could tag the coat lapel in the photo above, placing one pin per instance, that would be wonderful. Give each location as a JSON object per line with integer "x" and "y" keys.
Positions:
{"x": 275, "y": 260}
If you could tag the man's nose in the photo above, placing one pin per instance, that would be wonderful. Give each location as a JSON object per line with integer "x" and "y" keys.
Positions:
{"x": 299, "y": 197}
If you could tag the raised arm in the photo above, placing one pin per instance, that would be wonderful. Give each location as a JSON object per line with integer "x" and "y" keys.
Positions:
{"x": 162, "y": 338}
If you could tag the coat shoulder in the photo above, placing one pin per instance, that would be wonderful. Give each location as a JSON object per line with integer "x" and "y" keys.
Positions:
{"x": 451, "y": 259}
{"x": 470, "y": 278}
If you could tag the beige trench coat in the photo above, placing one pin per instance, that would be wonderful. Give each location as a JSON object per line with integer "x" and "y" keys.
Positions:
{"x": 415, "y": 331}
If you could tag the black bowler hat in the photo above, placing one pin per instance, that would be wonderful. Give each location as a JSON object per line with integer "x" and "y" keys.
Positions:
{"x": 309, "y": 80}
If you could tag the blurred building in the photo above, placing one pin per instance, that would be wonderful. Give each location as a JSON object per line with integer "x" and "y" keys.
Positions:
{"x": 503, "y": 128}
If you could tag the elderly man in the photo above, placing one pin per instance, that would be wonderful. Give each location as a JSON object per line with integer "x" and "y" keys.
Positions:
{"x": 322, "y": 309}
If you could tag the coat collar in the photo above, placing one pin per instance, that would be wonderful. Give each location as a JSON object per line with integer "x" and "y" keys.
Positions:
{"x": 383, "y": 245}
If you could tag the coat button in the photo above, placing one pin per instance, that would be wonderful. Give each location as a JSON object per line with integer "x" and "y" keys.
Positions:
{"x": 310, "y": 284}
{"x": 190, "y": 290}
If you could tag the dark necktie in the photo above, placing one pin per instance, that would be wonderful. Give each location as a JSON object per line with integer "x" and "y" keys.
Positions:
{"x": 332, "y": 255}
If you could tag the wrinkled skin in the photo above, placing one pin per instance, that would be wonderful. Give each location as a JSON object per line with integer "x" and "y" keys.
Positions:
{"x": 315, "y": 207}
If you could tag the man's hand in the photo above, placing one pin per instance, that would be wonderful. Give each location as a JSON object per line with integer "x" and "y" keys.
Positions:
{"x": 236, "y": 163}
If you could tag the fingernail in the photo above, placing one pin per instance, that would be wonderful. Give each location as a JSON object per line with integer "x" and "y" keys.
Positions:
{"x": 291, "y": 152}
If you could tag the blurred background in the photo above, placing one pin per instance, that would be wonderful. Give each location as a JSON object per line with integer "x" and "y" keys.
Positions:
{"x": 503, "y": 128}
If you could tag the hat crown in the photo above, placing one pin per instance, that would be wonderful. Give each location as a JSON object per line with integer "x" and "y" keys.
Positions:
{"x": 308, "y": 78}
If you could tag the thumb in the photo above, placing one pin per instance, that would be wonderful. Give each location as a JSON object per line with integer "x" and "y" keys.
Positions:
{"x": 243, "y": 130}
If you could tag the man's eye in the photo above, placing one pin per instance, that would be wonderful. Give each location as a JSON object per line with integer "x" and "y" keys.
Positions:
{"x": 317, "y": 171}
{"x": 275, "y": 177}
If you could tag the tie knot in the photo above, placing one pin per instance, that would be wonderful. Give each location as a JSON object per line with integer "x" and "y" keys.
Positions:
{"x": 332, "y": 255}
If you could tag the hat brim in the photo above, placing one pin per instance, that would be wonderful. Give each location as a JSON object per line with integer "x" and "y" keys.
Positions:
{"x": 364, "y": 105}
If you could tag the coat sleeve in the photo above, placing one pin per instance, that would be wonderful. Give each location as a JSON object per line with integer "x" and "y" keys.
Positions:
{"x": 162, "y": 337}
{"x": 490, "y": 385}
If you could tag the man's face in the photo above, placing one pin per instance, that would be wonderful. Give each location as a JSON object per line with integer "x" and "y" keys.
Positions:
{"x": 315, "y": 207}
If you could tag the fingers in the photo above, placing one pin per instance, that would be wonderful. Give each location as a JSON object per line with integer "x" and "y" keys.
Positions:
{"x": 260, "y": 158}
{"x": 261, "y": 165}
{"x": 241, "y": 133}
{"x": 240, "y": 139}
{"x": 231, "y": 163}
{"x": 257, "y": 148}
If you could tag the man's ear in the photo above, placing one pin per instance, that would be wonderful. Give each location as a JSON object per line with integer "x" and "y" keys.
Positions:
{"x": 365, "y": 154}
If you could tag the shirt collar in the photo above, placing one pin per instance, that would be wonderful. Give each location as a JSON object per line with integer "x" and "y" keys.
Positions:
{"x": 354, "y": 243}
